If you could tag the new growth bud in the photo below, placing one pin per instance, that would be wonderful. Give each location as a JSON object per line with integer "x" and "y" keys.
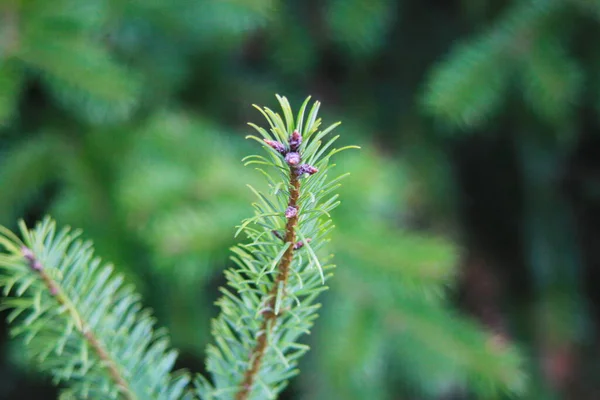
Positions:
{"x": 300, "y": 244}
{"x": 30, "y": 257}
{"x": 292, "y": 158}
{"x": 28, "y": 254}
{"x": 277, "y": 146}
{"x": 306, "y": 169}
{"x": 291, "y": 212}
{"x": 295, "y": 140}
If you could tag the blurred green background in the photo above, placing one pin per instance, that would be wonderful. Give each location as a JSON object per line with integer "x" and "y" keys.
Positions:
{"x": 467, "y": 242}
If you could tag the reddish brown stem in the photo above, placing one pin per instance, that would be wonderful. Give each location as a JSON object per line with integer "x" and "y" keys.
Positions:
{"x": 270, "y": 317}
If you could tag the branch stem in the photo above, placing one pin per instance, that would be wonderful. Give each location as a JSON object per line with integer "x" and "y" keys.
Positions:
{"x": 82, "y": 327}
{"x": 270, "y": 317}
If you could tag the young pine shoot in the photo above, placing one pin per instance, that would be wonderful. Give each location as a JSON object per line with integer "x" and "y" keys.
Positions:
{"x": 271, "y": 297}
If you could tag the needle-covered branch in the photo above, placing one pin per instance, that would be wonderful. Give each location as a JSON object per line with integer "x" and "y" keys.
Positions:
{"x": 79, "y": 322}
{"x": 278, "y": 274}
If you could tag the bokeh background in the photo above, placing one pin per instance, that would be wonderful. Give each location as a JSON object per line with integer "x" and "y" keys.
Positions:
{"x": 468, "y": 239}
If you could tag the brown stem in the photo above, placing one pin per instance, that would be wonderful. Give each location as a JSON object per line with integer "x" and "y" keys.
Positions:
{"x": 82, "y": 326}
{"x": 270, "y": 316}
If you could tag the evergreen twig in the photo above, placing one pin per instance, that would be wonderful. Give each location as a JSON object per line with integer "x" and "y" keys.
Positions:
{"x": 81, "y": 325}
{"x": 79, "y": 322}
{"x": 278, "y": 275}
{"x": 280, "y": 283}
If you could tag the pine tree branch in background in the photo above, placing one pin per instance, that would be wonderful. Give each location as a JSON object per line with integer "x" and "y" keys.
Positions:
{"x": 79, "y": 322}
{"x": 81, "y": 325}
{"x": 469, "y": 87}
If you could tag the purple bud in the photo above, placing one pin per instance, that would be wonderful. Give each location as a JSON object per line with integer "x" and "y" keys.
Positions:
{"x": 27, "y": 253}
{"x": 295, "y": 140}
{"x": 306, "y": 169}
{"x": 292, "y": 158}
{"x": 53, "y": 290}
{"x": 291, "y": 212}
{"x": 279, "y": 147}
{"x": 300, "y": 244}
{"x": 30, "y": 257}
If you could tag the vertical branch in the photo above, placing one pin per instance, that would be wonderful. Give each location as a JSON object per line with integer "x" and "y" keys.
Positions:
{"x": 290, "y": 232}
{"x": 270, "y": 272}
{"x": 293, "y": 158}
{"x": 270, "y": 317}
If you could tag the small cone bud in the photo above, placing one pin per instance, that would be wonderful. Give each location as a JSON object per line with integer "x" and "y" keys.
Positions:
{"x": 295, "y": 140}
{"x": 27, "y": 253}
{"x": 291, "y": 212}
{"x": 277, "y": 146}
{"x": 307, "y": 169}
{"x": 300, "y": 244}
{"x": 292, "y": 158}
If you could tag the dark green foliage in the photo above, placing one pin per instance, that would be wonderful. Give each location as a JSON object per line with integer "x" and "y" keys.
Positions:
{"x": 552, "y": 81}
{"x": 360, "y": 26}
{"x": 469, "y": 86}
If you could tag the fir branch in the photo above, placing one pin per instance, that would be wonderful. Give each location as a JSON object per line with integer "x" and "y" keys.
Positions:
{"x": 280, "y": 283}
{"x": 79, "y": 322}
{"x": 278, "y": 275}
{"x": 470, "y": 85}
{"x": 82, "y": 326}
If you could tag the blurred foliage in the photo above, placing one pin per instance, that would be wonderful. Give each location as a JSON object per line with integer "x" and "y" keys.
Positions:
{"x": 478, "y": 122}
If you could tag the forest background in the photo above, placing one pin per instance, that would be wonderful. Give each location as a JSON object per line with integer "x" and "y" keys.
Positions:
{"x": 468, "y": 239}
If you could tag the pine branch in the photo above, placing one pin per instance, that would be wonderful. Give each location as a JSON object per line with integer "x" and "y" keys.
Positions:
{"x": 270, "y": 316}
{"x": 279, "y": 274}
{"x": 79, "y": 323}
{"x": 470, "y": 85}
